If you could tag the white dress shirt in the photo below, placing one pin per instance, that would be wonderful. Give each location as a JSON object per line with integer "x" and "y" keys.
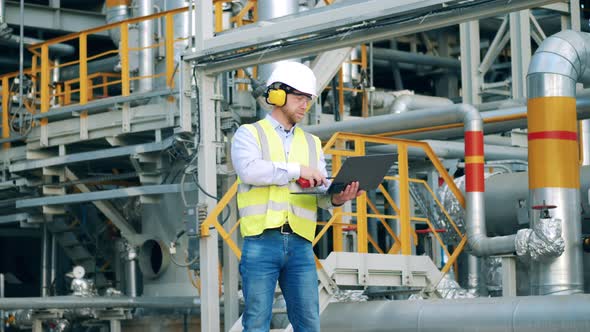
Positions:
{"x": 252, "y": 169}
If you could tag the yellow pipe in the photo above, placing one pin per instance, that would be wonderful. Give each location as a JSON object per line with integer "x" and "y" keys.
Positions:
{"x": 218, "y": 16}
{"x": 365, "y": 103}
{"x": 170, "y": 51}
{"x": 361, "y": 221}
{"x": 83, "y": 69}
{"x": 45, "y": 81}
{"x": 406, "y": 227}
{"x": 341, "y": 94}
{"x": 125, "y": 88}
{"x": 5, "y": 100}
{"x": 454, "y": 256}
{"x": 337, "y": 238}
{"x": 552, "y": 141}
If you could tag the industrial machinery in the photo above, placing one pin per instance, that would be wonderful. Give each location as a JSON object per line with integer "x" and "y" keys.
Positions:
{"x": 118, "y": 192}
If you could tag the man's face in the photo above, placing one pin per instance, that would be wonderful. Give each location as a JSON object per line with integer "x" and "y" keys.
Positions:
{"x": 296, "y": 106}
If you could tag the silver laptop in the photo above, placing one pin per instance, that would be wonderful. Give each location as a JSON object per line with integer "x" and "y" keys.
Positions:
{"x": 367, "y": 170}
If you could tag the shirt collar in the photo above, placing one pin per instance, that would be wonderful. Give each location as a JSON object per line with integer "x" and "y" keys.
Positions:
{"x": 277, "y": 126}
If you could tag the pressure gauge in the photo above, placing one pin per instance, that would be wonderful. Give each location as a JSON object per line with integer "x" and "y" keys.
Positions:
{"x": 78, "y": 272}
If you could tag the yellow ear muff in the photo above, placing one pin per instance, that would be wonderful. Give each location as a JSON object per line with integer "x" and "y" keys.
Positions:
{"x": 277, "y": 97}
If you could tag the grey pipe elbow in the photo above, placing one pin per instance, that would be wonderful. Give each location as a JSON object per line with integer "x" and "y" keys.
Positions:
{"x": 482, "y": 245}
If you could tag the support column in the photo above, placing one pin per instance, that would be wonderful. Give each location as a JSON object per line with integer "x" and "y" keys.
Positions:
{"x": 509, "y": 275}
{"x": 520, "y": 50}
{"x": 207, "y": 175}
{"x": 447, "y": 84}
{"x": 470, "y": 60}
{"x": 231, "y": 306}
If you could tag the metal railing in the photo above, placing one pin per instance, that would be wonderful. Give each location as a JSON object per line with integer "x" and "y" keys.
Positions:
{"x": 403, "y": 241}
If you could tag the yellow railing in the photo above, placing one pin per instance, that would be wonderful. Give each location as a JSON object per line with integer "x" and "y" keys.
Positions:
{"x": 402, "y": 242}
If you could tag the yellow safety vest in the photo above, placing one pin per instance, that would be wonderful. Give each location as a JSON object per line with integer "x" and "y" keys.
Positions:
{"x": 263, "y": 207}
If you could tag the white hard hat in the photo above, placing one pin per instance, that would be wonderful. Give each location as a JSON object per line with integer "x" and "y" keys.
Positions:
{"x": 296, "y": 75}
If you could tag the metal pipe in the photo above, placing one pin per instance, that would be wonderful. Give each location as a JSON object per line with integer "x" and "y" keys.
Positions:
{"x": 585, "y": 141}
{"x": 53, "y": 261}
{"x": 131, "y": 278}
{"x": 2, "y": 11}
{"x": 21, "y": 59}
{"x": 116, "y": 11}
{"x": 479, "y": 242}
{"x": 448, "y": 149}
{"x": 415, "y": 58}
{"x": 75, "y": 302}
{"x": 269, "y": 9}
{"x": 95, "y": 66}
{"x": 146, "y": 41}
{"x": 1, "y": 297}
{"x": 55, "y": 50}
{"x": 507, "y": 119}
{"x": 406, "y": 103}
{"x": 557, "y": 65}
{"x": 44, "y": 267}
{"x": 517, "y": 314}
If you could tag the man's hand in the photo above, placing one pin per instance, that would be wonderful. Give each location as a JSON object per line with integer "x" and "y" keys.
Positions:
{"x": 315, "y": 177}
{"x": 351, "y": 191}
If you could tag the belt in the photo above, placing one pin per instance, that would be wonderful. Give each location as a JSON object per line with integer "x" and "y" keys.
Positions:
{"x": 284, "y": 229}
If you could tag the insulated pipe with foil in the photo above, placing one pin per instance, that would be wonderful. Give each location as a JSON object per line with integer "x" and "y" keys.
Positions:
{"x": 558, "y": 64}
{"x": 487, "y": 314}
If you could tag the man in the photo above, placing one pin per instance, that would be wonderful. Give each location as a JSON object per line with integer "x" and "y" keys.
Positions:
{"x": 277, "y": 226}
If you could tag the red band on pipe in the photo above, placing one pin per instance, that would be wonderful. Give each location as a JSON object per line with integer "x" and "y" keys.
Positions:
{"x": 474, "y": 179}
{"x": 554, "y": 134}
{"x": 473, "y": 143}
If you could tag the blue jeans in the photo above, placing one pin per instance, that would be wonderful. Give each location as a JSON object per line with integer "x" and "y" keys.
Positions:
{"x": 288, "y": 259}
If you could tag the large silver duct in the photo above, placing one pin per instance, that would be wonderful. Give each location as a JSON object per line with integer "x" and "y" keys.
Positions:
{"x": 116, "y": 13}
{"x": 146, "y": 42}
{"x": 55, "y": 50}
{"x": 516, "y": 314}
{"x": 557, "y": 65}
{"x": 269, "y": 9}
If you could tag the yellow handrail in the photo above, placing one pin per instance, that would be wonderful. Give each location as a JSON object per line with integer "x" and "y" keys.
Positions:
{"x": 402, "y": 243}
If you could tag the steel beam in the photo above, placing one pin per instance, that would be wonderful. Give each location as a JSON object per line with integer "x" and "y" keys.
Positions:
{"x": 59, "y": 113}
{"x": 340, "y": 25}
{"x": 88, "y": 156}
{"x": 520, "y": 51}
{"x": 471, "y": 79}
{"x": 60, "y": 19}
{"x": 104, "y": 195}
{"x": 13, "y": 218}
{"x": 207, "y": 177}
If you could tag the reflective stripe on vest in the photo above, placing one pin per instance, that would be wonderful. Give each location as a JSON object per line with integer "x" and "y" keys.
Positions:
{"x": 263, "y": 207}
